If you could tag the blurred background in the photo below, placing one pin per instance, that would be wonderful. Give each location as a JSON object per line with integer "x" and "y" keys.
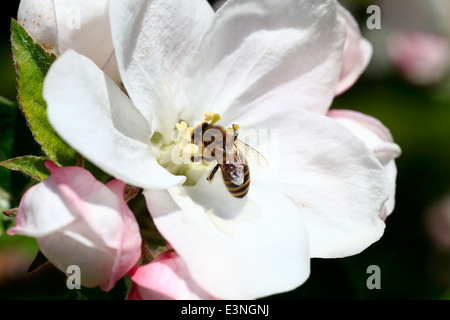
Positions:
{"x": 406, "y": 87}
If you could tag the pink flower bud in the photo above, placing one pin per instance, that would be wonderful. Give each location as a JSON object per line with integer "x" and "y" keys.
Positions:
{"x": 77, "y": 220}
{"x": 422, "y": 58}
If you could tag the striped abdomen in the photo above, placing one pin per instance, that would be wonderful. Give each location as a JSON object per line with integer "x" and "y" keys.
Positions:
{"x": 236, "y": 178}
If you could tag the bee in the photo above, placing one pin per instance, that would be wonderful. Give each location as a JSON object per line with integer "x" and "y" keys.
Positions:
{"x": 231, "y": 154}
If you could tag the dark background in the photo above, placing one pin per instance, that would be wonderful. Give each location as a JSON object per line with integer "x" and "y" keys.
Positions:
{"x": 412, "y": 266}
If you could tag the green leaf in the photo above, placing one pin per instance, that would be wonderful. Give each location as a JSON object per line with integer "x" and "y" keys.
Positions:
{"x": 7, "y": 119}
{"x": 30, "y": 165}
{"x": 32, "y": 64}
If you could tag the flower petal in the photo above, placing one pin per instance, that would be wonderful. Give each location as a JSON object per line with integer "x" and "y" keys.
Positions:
{"x": 357, "y": 53}
{"x": 35, "y": 218}
{"x": 72, "y": 212}
{"x": 129, "y": 246}
{"x": 96, "y": 118}
{"x": 332, "y": 176}
{"x": 40, "y": 22}
{"x": 83, "y": 26}
{"x": 234, "y": 248}
{"x": 165, "y": 278}
{"x": 286, "y": 53}
{"x": 379, "y": 139}
{"x": 154, "y": 41}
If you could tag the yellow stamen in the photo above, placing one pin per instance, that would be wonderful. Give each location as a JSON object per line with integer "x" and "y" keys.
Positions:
{"x": 208, "y": 116}
{"x": 213, "y": 117}
{"x": 182, "y": 126}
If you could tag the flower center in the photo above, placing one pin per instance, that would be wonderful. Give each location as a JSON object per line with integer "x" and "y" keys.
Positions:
{"x": 193, "y": 150}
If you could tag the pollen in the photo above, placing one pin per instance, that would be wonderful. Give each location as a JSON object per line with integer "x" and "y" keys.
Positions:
{"x": 182, "y": 126}
{"x": 212, "y": 117}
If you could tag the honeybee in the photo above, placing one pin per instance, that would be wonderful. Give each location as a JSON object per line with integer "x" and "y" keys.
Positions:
{"x": 231, "y": 154}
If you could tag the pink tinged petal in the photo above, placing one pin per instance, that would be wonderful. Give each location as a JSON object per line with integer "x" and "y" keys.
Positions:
{"x": 34, "y": 219}
{"x": 260, "y": 54}
{"x": 40, "y": 22}
{"x": 423, "y": 58}
{"x": 333, "y": 177}
{"x": 129, "y": 249}
{"x": 154, "y": 42}
{"x": 96, "y": 118}
{"x": 234, "y": 248}
{"x": 357, "y": 53}
{"x": 166, "y": 278}
{"x": 379, "y": 139}
{"x": 84, "y": 26}
{"x": 76, "y": 220}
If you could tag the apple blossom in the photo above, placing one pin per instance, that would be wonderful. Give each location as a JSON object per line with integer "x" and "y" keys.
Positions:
{"x": 421, "y": 57}
{"x": 81, "y": 25}
{"x": 77, "y": 220}
{"x": 265, "y": 65}
{"x": 167, "y": 277}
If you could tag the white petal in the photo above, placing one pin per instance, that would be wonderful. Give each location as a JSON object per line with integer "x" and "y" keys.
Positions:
{"x": 128, "y": 247}
{"x": 234, "y": 248}
{"x": 357, "y": 53}
{"x": 72, "y": 246}
{"x": 154, "y": 41}
{"x": 40, "y": 22}
{"x": 379, "y": 139}
{"x": 283, "y": 53}
{"x": 97, "y": 119}
{"x": 333, "y": 177}
{"x": 83, "y": 26}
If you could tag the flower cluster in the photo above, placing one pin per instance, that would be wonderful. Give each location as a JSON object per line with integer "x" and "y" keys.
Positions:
{"x": 255, "y": 66}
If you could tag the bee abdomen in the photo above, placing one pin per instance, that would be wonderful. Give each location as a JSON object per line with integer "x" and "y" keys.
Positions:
{"x": 239, "y": 191}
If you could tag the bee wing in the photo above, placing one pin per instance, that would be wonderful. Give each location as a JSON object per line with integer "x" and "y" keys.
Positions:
{"x": 233, "y": 172}
{"x": 248, "y": 155}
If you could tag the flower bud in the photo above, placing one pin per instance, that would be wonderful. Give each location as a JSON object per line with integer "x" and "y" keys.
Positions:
{"x": 80, "y": 25}
{"x": 78, "y": 221}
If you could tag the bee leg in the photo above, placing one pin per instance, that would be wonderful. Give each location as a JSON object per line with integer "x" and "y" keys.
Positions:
{"x": 235, "y": 132}
{"x": 211, "y": 175}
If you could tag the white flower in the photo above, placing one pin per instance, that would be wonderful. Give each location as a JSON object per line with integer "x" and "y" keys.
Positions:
{"x": 80, "y": 25}
{"x": 261, "y": 64}
{"x": 77, "y": 220}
